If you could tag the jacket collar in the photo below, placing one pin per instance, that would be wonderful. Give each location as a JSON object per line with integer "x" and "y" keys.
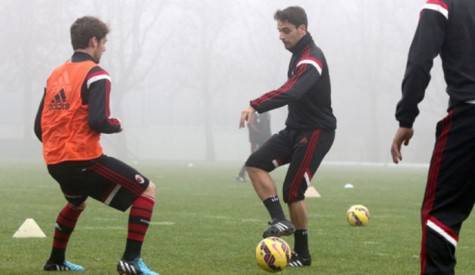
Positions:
{"x": 302, "y": 44}
{"x": 81, "y": 56}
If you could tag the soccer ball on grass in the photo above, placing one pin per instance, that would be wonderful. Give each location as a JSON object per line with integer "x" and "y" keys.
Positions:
{"x": 272, "y": 254}
{"x": 357, "y": 215}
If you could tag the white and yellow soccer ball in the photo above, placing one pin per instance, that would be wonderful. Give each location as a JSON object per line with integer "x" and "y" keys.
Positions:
{"x": 357, "y": 215}
{"x": 272, "y": 254}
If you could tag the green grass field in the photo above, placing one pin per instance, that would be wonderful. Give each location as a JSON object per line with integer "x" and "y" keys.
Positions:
{"x": 205, "y": 223}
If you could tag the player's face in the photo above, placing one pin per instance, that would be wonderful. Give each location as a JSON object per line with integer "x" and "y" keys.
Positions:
{"x": 99, "y": 47}
{"x": 290, "y": 34}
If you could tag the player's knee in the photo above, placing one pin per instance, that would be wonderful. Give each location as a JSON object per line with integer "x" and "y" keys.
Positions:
{"x": 287, "y": 197}
{"x": 151, "y": 190}
{"x": 80, "y": 207}
{"x": 290, "y": 199}
{"x": 253, "y": 171}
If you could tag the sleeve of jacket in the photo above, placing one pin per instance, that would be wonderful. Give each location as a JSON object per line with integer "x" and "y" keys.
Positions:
{"x": 37, "y": 127}
{"x": 98, "y": 87}
{"x": 307, "y": 73}
{"x": 426, "y": 45}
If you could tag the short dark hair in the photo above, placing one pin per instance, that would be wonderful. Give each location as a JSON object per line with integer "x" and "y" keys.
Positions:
{"x": 85, "y": 28}
{"x": 294, "y": 15}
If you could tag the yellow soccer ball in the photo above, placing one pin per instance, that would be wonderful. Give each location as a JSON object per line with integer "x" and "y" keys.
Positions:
{"x": 357, "y": 215}
{"x": 272, "y": 254}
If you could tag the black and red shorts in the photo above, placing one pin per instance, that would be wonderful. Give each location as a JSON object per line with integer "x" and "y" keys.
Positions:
{"x": 304, "y": 150}
{"x": 105, "y": 179}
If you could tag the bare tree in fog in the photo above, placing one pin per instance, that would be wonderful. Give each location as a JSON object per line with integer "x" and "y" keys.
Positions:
{"x": 135, "y": 28}
{"x": 28, "y": 52}
{"x": 209, "y": 21}
{"x": 210, "y": 26}
{"x": 376, "y": 75}
{"x": 374, "y": 55}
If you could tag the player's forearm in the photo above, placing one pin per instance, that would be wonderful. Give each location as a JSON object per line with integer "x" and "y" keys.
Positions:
{"x": 413, "y": 89}
{"x": 294, "y": 89}
{"x": 268, "y": 105}
{"x": 99, "y": 110}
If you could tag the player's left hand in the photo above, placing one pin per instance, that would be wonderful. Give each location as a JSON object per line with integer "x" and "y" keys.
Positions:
{"x": 246, "y": 116}
{"x": 117, "y": 123}
{"x": 403, "y": 135}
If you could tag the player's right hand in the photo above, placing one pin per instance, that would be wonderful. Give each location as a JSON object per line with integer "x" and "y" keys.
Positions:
{"x": 246, "y": 116}
{"x": 403, "y": 135}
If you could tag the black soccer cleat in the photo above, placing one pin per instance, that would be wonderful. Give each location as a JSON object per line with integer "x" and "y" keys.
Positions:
{"x": 299, "y": 261}
{"x": 65, "y": 266}
{"x": 279, "y": 228}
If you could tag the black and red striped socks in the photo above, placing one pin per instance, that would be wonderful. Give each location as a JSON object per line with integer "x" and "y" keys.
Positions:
{"x": 139, "y": 220}
{"x": 65, "y": 223}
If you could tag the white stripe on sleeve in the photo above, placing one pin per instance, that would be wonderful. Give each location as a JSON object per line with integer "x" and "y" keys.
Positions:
{"x": 438, "y": 8}
{"x": 97, "y": 78}
{"x": 311, "y": 62}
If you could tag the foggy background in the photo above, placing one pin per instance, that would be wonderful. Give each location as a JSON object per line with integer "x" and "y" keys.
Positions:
{"x": 182, "y": 70}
